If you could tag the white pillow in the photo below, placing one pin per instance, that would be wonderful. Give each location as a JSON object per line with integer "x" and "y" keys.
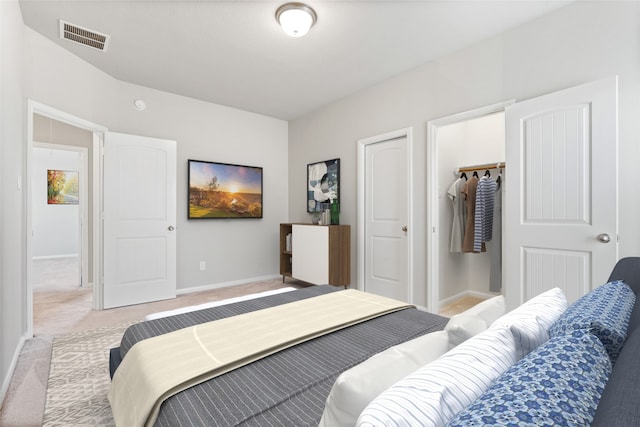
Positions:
{"x": 530, "y": 322}
{"x": 357, "y": 387}
{"x": 461, "y": 327}
{"x": 433, "y": 394}
{"x": 489, "y": 310}
{"x": 471, "y": 322}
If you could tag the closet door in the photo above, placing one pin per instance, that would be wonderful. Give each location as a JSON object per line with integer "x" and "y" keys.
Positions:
{"x": 386, "y": 217}
{"x": 561, "y": 201}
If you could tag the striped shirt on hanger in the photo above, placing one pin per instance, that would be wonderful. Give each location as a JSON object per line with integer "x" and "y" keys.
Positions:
{"x": 483, "y": 221}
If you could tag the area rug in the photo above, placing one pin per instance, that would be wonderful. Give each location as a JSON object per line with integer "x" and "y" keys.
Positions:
{"x": 79, "y": 378}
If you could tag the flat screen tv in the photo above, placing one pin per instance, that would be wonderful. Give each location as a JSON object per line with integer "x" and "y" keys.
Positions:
{"x": 223, "y": 190}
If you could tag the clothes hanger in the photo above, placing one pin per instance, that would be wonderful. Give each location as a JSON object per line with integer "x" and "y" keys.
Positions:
{"x": 475, "y": 174}
{"x": 487, "y": 173}
{"x": 463, "y": 175}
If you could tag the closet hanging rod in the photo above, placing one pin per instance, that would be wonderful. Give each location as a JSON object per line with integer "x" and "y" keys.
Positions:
{"x": 499, "y": 165}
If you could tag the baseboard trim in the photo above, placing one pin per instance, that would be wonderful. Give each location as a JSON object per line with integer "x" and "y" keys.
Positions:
{"x": 14, "y": 362}
{"x": 225, "y": 284}
{"x": 477, "y": 294}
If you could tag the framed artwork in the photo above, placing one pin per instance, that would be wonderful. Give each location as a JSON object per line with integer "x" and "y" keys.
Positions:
{"x": 62, "y": 187}
{"x": 223, "y": 190}
{"x": 323, "y": 184}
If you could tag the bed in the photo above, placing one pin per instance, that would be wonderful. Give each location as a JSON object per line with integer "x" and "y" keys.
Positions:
{"x": 289, "y": 387}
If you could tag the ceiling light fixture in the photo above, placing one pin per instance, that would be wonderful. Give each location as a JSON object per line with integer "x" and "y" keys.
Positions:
{"x": 296, "y": 18}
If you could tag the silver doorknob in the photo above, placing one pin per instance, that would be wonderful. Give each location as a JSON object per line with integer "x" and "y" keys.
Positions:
{"x": 404, "y": 228}
{"x": 171, "y": 228}
{"x": 604, "y": 238}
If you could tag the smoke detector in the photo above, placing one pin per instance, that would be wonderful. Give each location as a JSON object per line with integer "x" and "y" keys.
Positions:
{"x": 83, "y": 36}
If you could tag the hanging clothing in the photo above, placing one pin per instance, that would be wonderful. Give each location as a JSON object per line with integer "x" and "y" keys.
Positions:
{"x": 469, "y": 192}
{"x": 495, "y": 247}
{"x": 457, "y": 226}
{"x": 483, "y": 221}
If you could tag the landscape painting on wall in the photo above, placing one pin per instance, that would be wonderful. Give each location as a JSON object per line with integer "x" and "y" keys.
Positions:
{"x": 62, "y": 187}
{"x": 222, "y": 190}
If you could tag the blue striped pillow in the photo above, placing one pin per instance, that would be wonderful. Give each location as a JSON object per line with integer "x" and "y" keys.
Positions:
{"x": 530, "y": 322}
{"x": 432, "y": 395}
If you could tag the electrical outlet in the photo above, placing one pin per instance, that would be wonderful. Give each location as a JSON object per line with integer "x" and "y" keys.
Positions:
{"x": 203, "y": 265}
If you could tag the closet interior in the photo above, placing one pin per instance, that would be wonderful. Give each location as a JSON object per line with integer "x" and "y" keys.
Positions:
{"x": 471, "y": 170}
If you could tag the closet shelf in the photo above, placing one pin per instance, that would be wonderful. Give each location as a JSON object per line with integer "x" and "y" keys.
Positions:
{"x": 499, "y": 165}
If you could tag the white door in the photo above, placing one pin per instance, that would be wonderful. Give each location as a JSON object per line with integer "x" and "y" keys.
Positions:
{"x": 561, "y": 203}
{"x": 386, "y": 240}
{"x": 139, "y": 219}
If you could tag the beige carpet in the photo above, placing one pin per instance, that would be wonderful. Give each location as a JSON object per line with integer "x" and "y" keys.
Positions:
{"x": 79, "y": 378}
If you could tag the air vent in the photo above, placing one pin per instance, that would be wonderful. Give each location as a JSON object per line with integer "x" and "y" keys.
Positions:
{"x": 83, "y": 36}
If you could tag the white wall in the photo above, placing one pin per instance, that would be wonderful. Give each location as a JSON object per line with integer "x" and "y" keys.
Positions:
{"x": 234, "y": 250}
{"x": 582, "y": 42}
{"x": 12, "y": 125}
{"x": 55, "y": 227}
{"x": 473, "y": 142}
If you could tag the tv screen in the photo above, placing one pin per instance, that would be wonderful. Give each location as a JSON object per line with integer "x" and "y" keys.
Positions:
{"x": 223, "y": 190}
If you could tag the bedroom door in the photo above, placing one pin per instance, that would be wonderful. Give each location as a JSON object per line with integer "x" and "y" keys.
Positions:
{"x": 139, "y": 219}
{"x": 386, "y": 235}
{"x": 561, "y": 203}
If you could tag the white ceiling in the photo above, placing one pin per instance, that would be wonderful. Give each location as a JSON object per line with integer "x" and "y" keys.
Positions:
{"x": 233, "y": 53}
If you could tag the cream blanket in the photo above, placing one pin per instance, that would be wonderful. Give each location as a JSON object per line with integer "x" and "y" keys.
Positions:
{"x": 157, "y": 368}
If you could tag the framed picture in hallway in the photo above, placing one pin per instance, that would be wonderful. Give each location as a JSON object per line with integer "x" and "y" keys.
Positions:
{"x": 223, "y": 190}
{"x": 62, "y": 187}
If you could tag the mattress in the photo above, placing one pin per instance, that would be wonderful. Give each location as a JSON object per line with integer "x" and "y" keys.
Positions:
{"x": 289, "y": 387}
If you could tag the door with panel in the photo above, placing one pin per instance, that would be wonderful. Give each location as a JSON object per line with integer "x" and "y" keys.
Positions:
{"x": 386, "y": 236}
{"x": 561, "y": 200}
{"x": 139, "y": 219}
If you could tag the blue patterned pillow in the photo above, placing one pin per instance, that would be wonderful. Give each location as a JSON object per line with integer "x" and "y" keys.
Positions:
{"x": 558, "y": 384}
{"x": 605, "y": 312}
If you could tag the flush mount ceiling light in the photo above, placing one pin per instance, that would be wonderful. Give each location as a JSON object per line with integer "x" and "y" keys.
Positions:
{"x": 296, "y": 18}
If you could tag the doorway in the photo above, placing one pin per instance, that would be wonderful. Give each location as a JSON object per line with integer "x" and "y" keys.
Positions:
{"x": 60, "y": 212}
{"x": 467, "y": 140}
{"x": 55, "y": 130}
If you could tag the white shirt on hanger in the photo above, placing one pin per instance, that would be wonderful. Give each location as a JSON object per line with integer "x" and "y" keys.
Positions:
{"x": 457, "y": 226}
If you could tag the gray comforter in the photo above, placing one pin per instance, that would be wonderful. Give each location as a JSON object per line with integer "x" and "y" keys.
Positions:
{"x": 285, "y": 389}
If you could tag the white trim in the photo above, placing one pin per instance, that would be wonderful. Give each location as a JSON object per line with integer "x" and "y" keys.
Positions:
{"x": 225, "y": 284}
{"x": 11, "y": 370}
{"x": 433, "y": 253}
{"x": 98, "y": 130}
{"x": 97, "y": 281}
{"x": 362, "y": 143}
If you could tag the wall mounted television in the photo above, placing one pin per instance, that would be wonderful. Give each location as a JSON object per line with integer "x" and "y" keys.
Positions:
{"x": 224, "y": 190}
